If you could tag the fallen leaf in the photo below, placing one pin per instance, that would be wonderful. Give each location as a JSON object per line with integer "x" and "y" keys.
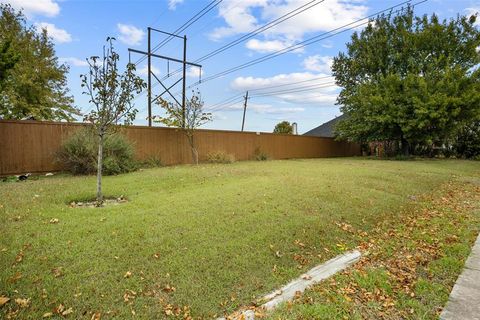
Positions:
{"x": 22, "y": 302}
{"x": 19, "y": 257}
{"x": 57, "y": 272}
{"x": 54, "y": 220}
{"x": 127, "y": 274}
{"x": 169, "y": 288}
{"x": 47, "y": 315}
{"x": 96, "y": 316}
{"x": 17, "y": 276}
{"x": 3, "y": 300}
{"x": 59, "y": 309}
{"x": 67, "y": 312}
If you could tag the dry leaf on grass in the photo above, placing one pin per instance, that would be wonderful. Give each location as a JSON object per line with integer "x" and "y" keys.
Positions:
{"x": 54, "y": 220}
{"x": 96, "y": 316}
{"x": 169, "y": 288}
{"x": 3, "y": 300}
{"x": 127, "y": 274}
{"x": 67, "y": 312}
{"x": 57, "y": 272}
{"x": 17, "y": 276}
{"x": 22, "y": 302}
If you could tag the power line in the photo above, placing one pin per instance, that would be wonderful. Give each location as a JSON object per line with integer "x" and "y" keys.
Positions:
{"x": 261, "y": 29}
{"x": 231, "y": 103}
{"x": 291, "y": 83}
{"x": 237, "y": 96}
{"x": 184, "y": 26}
{"x": 266, "y": 27}
{"x": 295, "y": 90}
{"x": 323, "y": 36}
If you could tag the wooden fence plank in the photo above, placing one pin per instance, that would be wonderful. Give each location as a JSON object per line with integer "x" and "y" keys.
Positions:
{"x": 30, "y": 146}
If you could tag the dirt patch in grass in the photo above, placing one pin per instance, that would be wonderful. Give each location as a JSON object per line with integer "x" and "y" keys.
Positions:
{"x": 110, "y": 201}
{"x": 409, "y": 266}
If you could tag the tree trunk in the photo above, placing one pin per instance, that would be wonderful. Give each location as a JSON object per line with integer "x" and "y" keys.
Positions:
{"x": 405, "y": 147}
{"x": 99, "y": 170}
{"x": 195, "y": 155}
{"x": 193, "y": 149}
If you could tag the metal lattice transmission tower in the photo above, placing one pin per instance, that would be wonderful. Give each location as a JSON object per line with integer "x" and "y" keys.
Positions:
{"x": 166, "y": 89}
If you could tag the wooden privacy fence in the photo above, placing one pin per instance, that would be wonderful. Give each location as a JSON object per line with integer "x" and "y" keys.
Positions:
{"x": 30, "y": 146}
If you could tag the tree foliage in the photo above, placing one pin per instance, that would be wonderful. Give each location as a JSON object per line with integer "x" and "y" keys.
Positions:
{"x": 111, "y": 93}
{"x": 32, "y": 82}
{"x": 467, "y": 143}
{"x": 411, "y": 80}
{"x": 188, "y": 121}
{"x": 283, "y": 127}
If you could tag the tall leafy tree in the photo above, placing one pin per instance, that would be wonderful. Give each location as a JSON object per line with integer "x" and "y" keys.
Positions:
{"x": 409, "y": 80}
{"x": 111, "y": 92}
{"x": 35, "y": 85}
{"x": 283, "y": 127}
{"x": 8, "y": 59}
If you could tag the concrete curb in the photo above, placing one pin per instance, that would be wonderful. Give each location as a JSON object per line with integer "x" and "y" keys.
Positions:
{"x": 464, "y": 300}
{"x": 306, "y": 280}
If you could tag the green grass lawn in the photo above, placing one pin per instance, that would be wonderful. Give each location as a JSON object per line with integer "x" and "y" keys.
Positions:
{"x": 199, "y": 241}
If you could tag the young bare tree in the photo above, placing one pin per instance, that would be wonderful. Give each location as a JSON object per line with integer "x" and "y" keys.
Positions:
{"x": 193, "y": 118}
{"x": 111, "y": 93}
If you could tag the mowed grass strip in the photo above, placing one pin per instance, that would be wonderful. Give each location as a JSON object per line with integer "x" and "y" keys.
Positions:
{"x": 194, "y": 241}
{"x": 409, "y": 266}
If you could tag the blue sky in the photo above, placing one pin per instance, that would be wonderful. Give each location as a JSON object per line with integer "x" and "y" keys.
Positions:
{"x": 79, "y": 29}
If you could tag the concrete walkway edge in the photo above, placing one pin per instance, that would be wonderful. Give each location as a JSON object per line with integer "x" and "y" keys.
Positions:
{"x": 464, "y": 301}
{"x": 306, "y": 280}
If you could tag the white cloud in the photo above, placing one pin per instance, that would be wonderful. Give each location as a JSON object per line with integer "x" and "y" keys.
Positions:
{"x": 318, "y": 63}
{"x": 194, "y": 72}
{"x": 328, "y": 44}
{"x": 57, "y": 34}
{"x": 129, "y": 34}
{"x": 245, "y": 16}
{"x": 238, "y": 16}
{"x": 316, "y": 88}
{"x": 249, "y": 83}
{"x": 264, "y": 108}
{"x": 266, "y": 46}
{"x": 49, "y": 8}
{"x": 473, "y": 11}
{"x": 172, "y": 4}
{"x": 72, "y": 61}
{"x": 143, "y": 71}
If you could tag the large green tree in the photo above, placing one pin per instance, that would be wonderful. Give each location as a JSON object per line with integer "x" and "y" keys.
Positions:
{"x": 34, "y": 82}
{"x": 283, "y": 127}
{"x": 409, "y": 80}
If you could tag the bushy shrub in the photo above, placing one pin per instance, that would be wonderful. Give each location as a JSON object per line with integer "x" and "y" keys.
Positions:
{"x": 260, "y": 155}
{"x": 467, "y": 143}
{"x": 220, "y": 157}
{"x": 152, "y": 162}
{"x": 78, "y": 153}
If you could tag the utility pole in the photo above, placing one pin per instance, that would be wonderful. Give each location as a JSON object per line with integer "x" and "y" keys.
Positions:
{"x": 166, "y": 89}
{"x": 244, "y": 110}
{"x": 184, "y": 79}
{"x": 149, "y": 85}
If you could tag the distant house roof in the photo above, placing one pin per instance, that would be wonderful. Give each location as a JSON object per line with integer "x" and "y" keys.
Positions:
{"x": 326, "y": 129}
